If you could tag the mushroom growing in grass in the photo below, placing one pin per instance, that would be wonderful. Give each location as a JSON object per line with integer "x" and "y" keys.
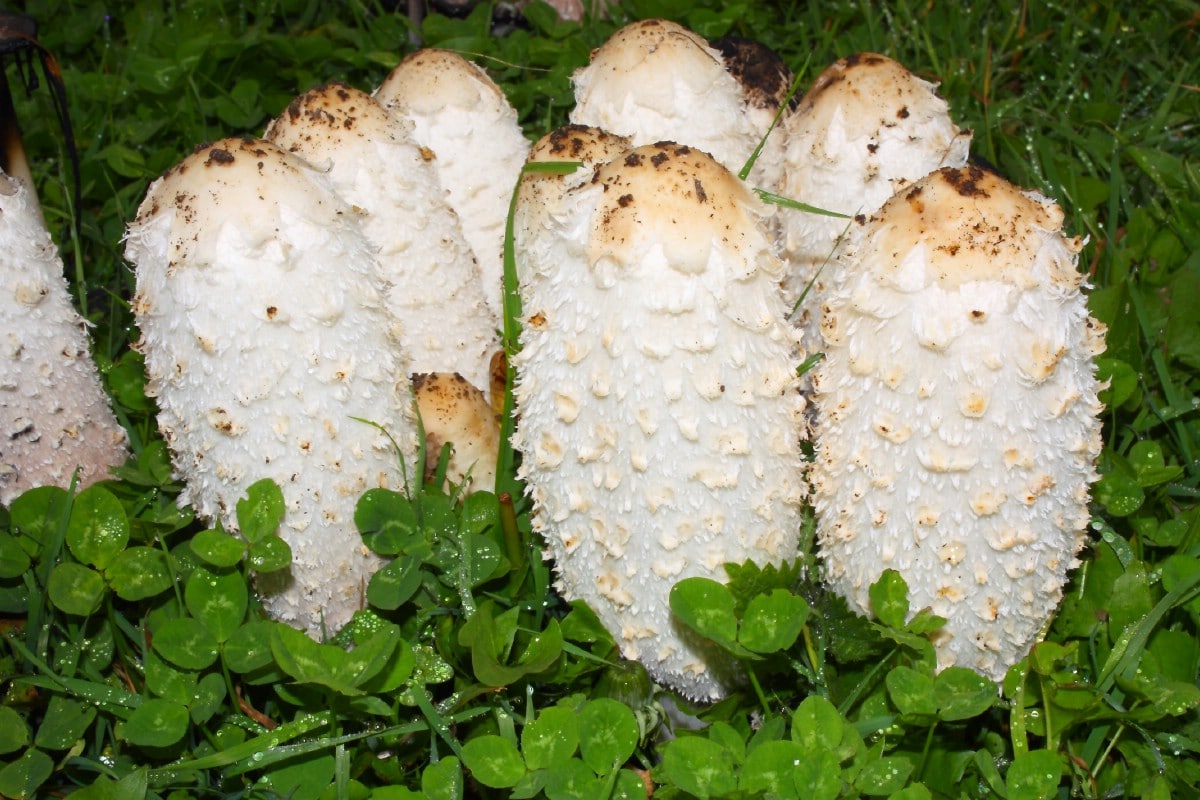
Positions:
{"x": 958, "y": 412}
{"x": 374, "y": 165}
{"x": 272, "y": 354}
{"x": 464, "y": 120}
{"x": 55, "y": 415}
{"x": 865, "y": 129}
{"x": 655, "y": 80}
{"x": 454, "y": 411}
{"x": 659, "y": 417}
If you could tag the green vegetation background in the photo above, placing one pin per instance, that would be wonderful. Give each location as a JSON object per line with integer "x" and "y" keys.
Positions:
{"x": 127, "y": 675}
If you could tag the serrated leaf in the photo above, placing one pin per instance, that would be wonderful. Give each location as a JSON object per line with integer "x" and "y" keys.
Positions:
{"x": 261, "y": 511}
{"x": 749, "y": 580}
{"x": 493, "y": 761}
{"x": 98, "y": 529}
{"x": 76, "y": 589}
{"x": 138, "y": 573}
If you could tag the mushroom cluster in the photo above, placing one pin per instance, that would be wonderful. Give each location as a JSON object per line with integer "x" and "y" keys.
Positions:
{"x": 295, "y": 293}
{"x": 660, "y": 416}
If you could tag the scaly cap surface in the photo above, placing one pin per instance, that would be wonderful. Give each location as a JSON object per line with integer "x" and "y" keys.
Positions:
{"x": 264, "y": 332}
{"x": 958, "y": 420}
{"x": 659, "y": 419}
{"x": 375, "y": 165}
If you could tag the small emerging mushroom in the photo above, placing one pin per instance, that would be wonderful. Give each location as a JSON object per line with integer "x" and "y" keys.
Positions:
{"x": 464, "y": 120}
{"x": 957, "y": 407}
{"x": 456, "y": 412}
{"x": 54, "y": 415}
{"x": 272, "y": 355}
{"x": 865, "y": 129}
{"x": 659, "y": 415}
{"x": 655, "y": 80}
{"x": 433, "y": 282}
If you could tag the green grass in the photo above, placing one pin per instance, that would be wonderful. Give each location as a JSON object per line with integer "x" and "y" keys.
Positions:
{"x": 475, "y": 676}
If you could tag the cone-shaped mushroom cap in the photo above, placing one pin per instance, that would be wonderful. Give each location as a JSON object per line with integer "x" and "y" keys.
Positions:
{"x": 987, "y": 229}
{"x": 958, "y": 419}
{"x": 459, "y": 114}
{"x": 659, "y": 420}
{"x": 542, "y": 193}
{"x": 266, "y": 336}
{"x": 654, "y": 80}
{"x": 218, "y": 188}
{"x": 866, "y": 128}
{"x": 433, "y": 281}
{"x": 452, "y": 410}
{"x": 55, "y": 416}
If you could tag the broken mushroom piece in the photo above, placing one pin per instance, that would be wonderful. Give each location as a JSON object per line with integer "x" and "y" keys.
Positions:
{"x": 457, "y": 413}
{"x": 865, "y": 129}
{"x": 374, "y": 165}
{"x": 55, "y": 415}
{"x": 659, "y": 415}
{"x": 655, "y": 80}
{"x": 272, "y": 355}
{"x": 463, "y": 118}
{"x": 958, "y": 413}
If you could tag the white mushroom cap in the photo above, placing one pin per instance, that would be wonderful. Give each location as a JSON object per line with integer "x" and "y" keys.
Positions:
{"x": 54, "y": 415}
{"x": 659, "y": 419}
{"x": 454, "y": 411}
{"x": 463, "y": 117}
{"x": 867, "y": 128}
{"x": 542, "y": 193}
{"x": 374, "y": 164}
{"x": 655, "y": 80}
{"x": 265, "y": 334}
{"x": 958, "y": 419}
